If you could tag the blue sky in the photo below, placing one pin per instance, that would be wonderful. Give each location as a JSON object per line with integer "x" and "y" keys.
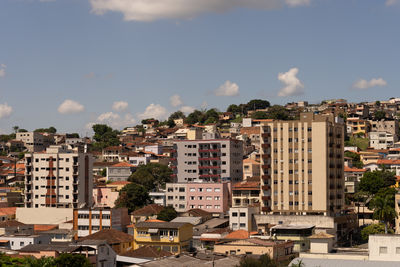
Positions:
{"x": 71, "y": 63}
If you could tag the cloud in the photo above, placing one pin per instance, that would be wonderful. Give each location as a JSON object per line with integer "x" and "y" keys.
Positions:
{"x": 114, "y": 120}
{"x": 296, "y": 3}
{"x": 227, "y": 89}
{"x": 2, "y": 70}
{"x": 293, "y": 86}
{"x": 120, "y": 106}
{"x": 187, "y": 109}
{"x": 364, "y": 84}
{"x": 5, "y": 110}
{"x": 150, "y": 10}
{"x": 391, "y": 2}
{"x": 155, "y": 111}
{"x": 70, "y": 107}
{"x": 175, "y": 100}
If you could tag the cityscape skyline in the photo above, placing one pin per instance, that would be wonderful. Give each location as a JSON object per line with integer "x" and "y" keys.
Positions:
{"x": 114, "y": 66}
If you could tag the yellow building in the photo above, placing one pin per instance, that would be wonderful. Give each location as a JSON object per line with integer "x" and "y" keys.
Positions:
{"x": 277, "y": 250}
{"x": 358, "y": 126}
{"x": 168, "y": 236}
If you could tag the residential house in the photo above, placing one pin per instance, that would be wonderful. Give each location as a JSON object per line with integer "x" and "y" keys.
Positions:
{"x": 246, "y": 193}
{"x": 167, "y": 236}
{"x": 120, "y": 171}
{"x": 251, "y": 168}
{"x": 119, "y": 241}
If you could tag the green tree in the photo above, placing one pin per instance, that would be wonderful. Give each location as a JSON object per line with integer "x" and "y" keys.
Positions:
{"x": 373, "y": 229}
{"x": 72, "y": 135}
{"x": 194, "y": 117}
{"x": 355, "y": 159}
{"x": 372, "y": 182}
{"x": 258, "y": 115}
{"x": 22, "y": 130}
{"x": 132, "y": 196}
{"x": 167, "y": 214}
{"x": 278, "y": 112}
{"x": 235, "y": 109}
{"x": 51, "y": 129}
{"x": 152, "y": 175}
{"x": 379, "y": 115}
{"x": 104, "y": 136}
{"x": 103, "y": 172}
{"x": 257, "y": 104}
{"x": 177, "y": 115}
{"x": 72, "y": 260}
{"x": 384, "y": 210}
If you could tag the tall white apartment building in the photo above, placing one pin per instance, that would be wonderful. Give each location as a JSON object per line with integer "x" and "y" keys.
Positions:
{"x": 58, "y": 177}
{"x": 302, "y": 166}
{"x": 212, "y": 160}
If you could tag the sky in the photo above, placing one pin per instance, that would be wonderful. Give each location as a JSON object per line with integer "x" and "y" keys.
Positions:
{"x": 73, "y": 63}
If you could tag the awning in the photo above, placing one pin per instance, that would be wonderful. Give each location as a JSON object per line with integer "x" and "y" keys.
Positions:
{"x": 153, "y": 231}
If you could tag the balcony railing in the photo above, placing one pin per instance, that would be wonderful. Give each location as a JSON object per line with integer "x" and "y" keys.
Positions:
{"x": 209, "y": 167}
{"x": 266, "y": 209}
{"x": 265, "y": 187}
{"x": 209, "y": 159}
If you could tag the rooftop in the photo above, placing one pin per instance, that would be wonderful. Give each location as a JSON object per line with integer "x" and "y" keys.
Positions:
{"x": 111, "y": 236}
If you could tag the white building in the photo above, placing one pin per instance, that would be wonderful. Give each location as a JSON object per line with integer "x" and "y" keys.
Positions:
{"x": 384, "y": 247}
{"x": 59, "y": 177}
{"x": 380, "y": 140}
{"x": 35, "y": 141}
{"x": 241, "y": 218}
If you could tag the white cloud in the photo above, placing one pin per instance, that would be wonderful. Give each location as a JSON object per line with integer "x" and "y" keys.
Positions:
{"x": 70, "y": 107}
{"x": 293, "y": 86}
{"x": 2, "y": 70}
{"x": 296, "y": 3}
{"x": 187, "y": 109}
{"x": 155, "y": 111}
{"x": 364, "y": 84}
{"x": 391, "y": 2}
{"x": 227, "y": 89}
{"x": 175, "y": 100}
{"x": 5, "y": 110}
{"x": 150, "y": 10}
{"x": 120, "y": 106}
{"x": 114, "y": 120}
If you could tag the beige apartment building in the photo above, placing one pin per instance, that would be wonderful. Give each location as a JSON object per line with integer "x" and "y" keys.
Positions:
{"x": 35, "y": 141}
{"x": 302, "y": 166}
{"x": 58, "y": 177}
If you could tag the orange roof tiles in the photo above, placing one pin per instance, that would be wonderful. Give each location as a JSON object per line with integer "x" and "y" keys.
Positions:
{"x": 246, "y": 185}
{"x": 123, "y": 164}
{"x": 8, "y": 211}
{"x": 388, "y": 161}
{"x": 154, "y": 220}
{"x": 44, "y": 227}
{"x": 239, "y": 234}
{"x": 348, "y": 169}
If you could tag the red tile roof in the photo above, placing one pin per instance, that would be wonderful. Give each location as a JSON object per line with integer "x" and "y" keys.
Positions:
{"x": 111, "y": 236}
{"x": 8, "y": 211}
{"x": 44, "y": 227}
{"x": 152, "y": 209}
{"x": 388, "y": 161}
{"x": 239, "y": 234}
{"x": 348, "y": 169}
{"x": 246, "y": 185}
{"x": 123, "y": 164}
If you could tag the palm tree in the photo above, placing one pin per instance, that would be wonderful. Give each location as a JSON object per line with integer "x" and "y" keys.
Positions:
{"x": 384, "y": 210}
{"x": 16, "y": 128}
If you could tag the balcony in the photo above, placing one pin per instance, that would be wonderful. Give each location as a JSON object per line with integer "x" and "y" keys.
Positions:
{"x": 173, "y": 167}
{"x": 209, "y": 167}
{"x": 173, "y": 159}
{"x": 265, "y": 187}
{"x": 265, "y": 145}
{"x": 265, "y": 198}
{"x": 265, "y": 156}
{"x": 265, "y": 135}
{"x": 209, "y": 159}
{"x": 209, "y": 150}
{"x": 266, "y": 177}
{"x": 210, "y": 176}
{"x": 266, "y": 209}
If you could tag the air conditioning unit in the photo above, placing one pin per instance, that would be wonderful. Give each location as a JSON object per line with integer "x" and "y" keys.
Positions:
{"x": 171, "y": 238}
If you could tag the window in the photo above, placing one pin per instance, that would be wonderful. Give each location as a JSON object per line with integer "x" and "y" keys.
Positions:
{"x": 242, "y": 214}
{"x": 200, "y": 198}
{"x": 209, "y": 207}
{"x": 217, "y": 198}
{"x": 383, "y": 250}
{"x": 397, "y": 250}
{"x": 234, "y": 214}
{"x": 242, "y": 225}
{"x": 192, "y": 190}
{"x": 217, "y": 190}
{"x": 200, "y": 206}
{"x": 209, "y": 190}
{"x": 217, "y": 207}
{"x": 191, "y": 197}
{"x": 181, "y": 189}
{"x": 200, "y": 189}
{"x": 21, "y": 244}
{"x": 208, "y": 198}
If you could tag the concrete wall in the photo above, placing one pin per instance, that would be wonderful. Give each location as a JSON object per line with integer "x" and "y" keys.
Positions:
{"x": 44, "y": 215}
{"x": 384, "y": 247}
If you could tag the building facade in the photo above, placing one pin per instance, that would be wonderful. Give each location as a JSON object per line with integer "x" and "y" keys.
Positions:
{"x": 35, "y": 141}
{"x": 207, "y": 160}
{"x": 58, "y": 177}
{"x": 302, "y": 166}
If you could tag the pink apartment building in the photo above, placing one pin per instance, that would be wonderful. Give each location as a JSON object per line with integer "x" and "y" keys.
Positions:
{"x": 105, "y": 196}
{"x": 211, "y": 197}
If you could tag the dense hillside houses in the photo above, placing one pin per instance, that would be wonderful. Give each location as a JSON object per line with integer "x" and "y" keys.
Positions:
{"x": 255, "y": 179}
